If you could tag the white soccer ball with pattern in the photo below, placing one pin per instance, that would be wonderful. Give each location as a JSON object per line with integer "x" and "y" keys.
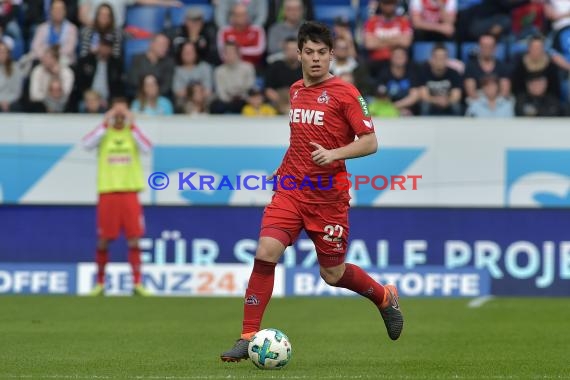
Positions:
{"x": 270, "y": 349}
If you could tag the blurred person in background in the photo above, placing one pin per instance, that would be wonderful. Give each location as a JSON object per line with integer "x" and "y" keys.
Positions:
{"x": 57, "y": 31}
{"x": 12, "y": 75}
{"x": 92, "y": 103}
{"x": 440, "y": 90}
{"x": 256, "y": 106}
{"x": 195, "y": 101}
{"x": 281, "y": 31}
{"x": 119, "y": 145}
{"x": 155, "y": 61}
{"x": 149, "y": 102}
{"x": 249, "y": 37}
{"x": 55, "y": 100}
{"x": 558, "y": 12}
{"x": 281, "y": 74}
{"x": 383, "y": 32}
{"x": 9, "y": 13}
{"x": 401, "y": 80}
{"x": 536, "y": 61}
{"x": 484, "y": 64}
{"x": 276, "y": 11}
{"x": 536, "y": 101}
{"x": 381, "y": 105}
{"x": 433, "y": 20}
{"x": 190, "y": 69}
{"x": 491, "y": 103}
{"x": 256, "y": 11}
{"x": 197, "y": 31}
{"x": 42, "y": 75}
{"x": 342, "y": 61}
{"x": 232, "y": 80}
{"x": 88, "y": 8}
{"x": 342, "y": 29}
{"x": 100, "y": 71}
{"x": 104, "y": 25}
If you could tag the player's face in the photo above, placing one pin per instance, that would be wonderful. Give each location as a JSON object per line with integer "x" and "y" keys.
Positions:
{"x": 315, "y": 59}
{"x": 121, "y": 110}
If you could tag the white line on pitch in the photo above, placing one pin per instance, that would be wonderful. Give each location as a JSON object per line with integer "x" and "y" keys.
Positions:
{"x": 479, "y": 301}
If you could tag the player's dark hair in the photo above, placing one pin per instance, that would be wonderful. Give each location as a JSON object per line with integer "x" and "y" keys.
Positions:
{"x": 314, "y": 31}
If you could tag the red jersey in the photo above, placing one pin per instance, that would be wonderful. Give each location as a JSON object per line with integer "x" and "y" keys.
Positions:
{"x": 330, "y": 114}
{"x": 430, "y": 10}
{"x": 382, "y": 27}
{"x": 251, "y": 42}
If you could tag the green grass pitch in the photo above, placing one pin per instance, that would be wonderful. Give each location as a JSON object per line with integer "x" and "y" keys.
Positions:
{"x": 332, "y": 338}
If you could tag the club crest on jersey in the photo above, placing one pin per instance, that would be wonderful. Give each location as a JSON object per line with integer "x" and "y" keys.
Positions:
{"x": 324, "y": 98}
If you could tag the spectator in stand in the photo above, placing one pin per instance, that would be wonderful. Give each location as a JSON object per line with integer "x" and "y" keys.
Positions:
{"x": 196, "y": 100}
{"x": 232, "y": 81}
{"x": 57, "y": 31}
{"x": 12, "y": 76}
{"x": 9, "y": 9}
{"x": 558, "y": 12}
{"x": 6, "y": 39}
{"x": 342, "y": 29}
{"x": 289, "y": 27}
{"x": 250, "y": 38}
{"x": 87, "y": 8}
{"x": 384, "y": 32}
{"x": 493, "y": 17}
{"x": 149, "y": 101}
{"x": 280, "y": 75}
{"x": 484, "y": 64}
{"x": 37, "y": 11}
{"x": 491, "y": 103}
{"x": 190, "y": 70}
{"x": 56, "y": 100}
{"x": 256, "y": 105}
{"x": 255, "y": 9}
{"x": 201, "y": 34}
{"x": 92, "y": 103}
{"x": 342, "y": 61}
{"x": 276, "y": 11}
{"x": 535, "y": 61}
{"x": 440, "y": 92}
{"x": 433, "y": 20}
{"x": 50, "y": 67}
{"x": 536, "y": 101}
{"x": 104, "y": 25}
{"x": 381, "y": 105}
{"x": 401, "y": 82}
{"x": 100, "y": 71}
{"x": 155, "y": 61}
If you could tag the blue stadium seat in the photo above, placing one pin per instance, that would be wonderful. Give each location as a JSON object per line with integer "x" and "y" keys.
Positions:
{"x": 195, "y": 2}
{"x": 421, "y": 51}
{"x": 134, "y": 47}
{"x": 147, "y": 17}
{"x": 332, "y": 2}
{"x": 464, "y": 4}
{"x": 517, "y": 48}
{"x": 328, "y": 13}
{"x": 470, "y": 48}
{"x": 18, "y": 50}
{"x": 177, "y": 14}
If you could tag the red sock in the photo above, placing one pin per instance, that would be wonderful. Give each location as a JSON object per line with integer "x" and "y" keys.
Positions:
{"x": 135, "y": 261}
{"x": 257, "y": 296}
{"x": 357, "y": 280}
{"x": 101, "y": 258}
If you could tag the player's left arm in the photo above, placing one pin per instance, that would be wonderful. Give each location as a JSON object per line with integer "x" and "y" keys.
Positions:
{"x": 356, "y": 113}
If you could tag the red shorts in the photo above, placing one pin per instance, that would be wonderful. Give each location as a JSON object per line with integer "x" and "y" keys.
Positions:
{"x": 325, "y": 224}
{"x": 119, "y": 211}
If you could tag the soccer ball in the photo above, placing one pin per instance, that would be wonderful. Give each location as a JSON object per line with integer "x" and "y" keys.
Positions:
{"x": 270, "y": 349}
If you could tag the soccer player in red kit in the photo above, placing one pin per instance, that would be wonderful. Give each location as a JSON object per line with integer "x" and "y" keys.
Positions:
{"x": 326, "y": 116}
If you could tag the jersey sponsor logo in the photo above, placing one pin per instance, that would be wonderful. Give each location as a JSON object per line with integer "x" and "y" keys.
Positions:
{"x": 324, "y": 98}
{"x": 300, "y": 115}
{"x": 364, "y": 106}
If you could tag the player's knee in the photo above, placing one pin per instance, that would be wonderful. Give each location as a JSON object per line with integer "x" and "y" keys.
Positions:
{"x": 133, "y": 243}
{"x": 269, "y": 249}
{"x": 331, "y": 275}
{"x": 103, "y": 244}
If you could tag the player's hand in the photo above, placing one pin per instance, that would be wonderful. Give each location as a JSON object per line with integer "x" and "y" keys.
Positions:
{"x": 322, "y": 156}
